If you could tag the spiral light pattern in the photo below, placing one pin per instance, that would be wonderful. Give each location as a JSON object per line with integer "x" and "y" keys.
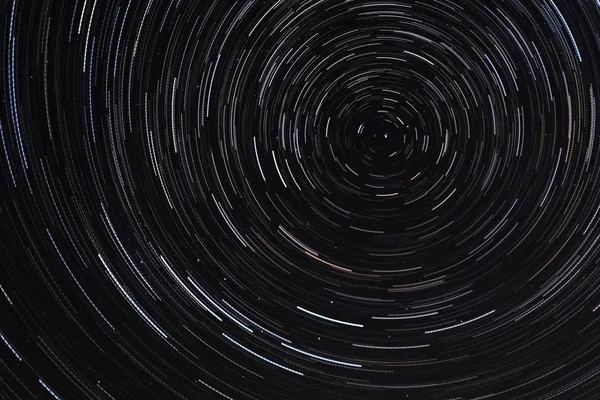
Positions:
{"x": 300, "y": 199}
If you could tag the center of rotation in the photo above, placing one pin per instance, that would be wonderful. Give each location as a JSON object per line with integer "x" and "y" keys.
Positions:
{"x": 378, "y": 139}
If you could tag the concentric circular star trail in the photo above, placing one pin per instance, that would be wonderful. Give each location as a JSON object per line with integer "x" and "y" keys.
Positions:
{"x": 300, "y": 199}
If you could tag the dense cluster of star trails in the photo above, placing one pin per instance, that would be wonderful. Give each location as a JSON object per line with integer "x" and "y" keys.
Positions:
{"x": 300, "y": 199}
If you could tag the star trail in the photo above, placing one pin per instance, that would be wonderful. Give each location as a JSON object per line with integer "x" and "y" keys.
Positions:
{"x": 300, "y": 199}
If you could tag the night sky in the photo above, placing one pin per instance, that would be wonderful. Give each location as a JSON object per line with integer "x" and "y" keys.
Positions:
{"x": 299, "y": 199}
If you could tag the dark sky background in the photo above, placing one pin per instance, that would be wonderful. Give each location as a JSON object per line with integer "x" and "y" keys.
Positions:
{"x": 299, "y": 199}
